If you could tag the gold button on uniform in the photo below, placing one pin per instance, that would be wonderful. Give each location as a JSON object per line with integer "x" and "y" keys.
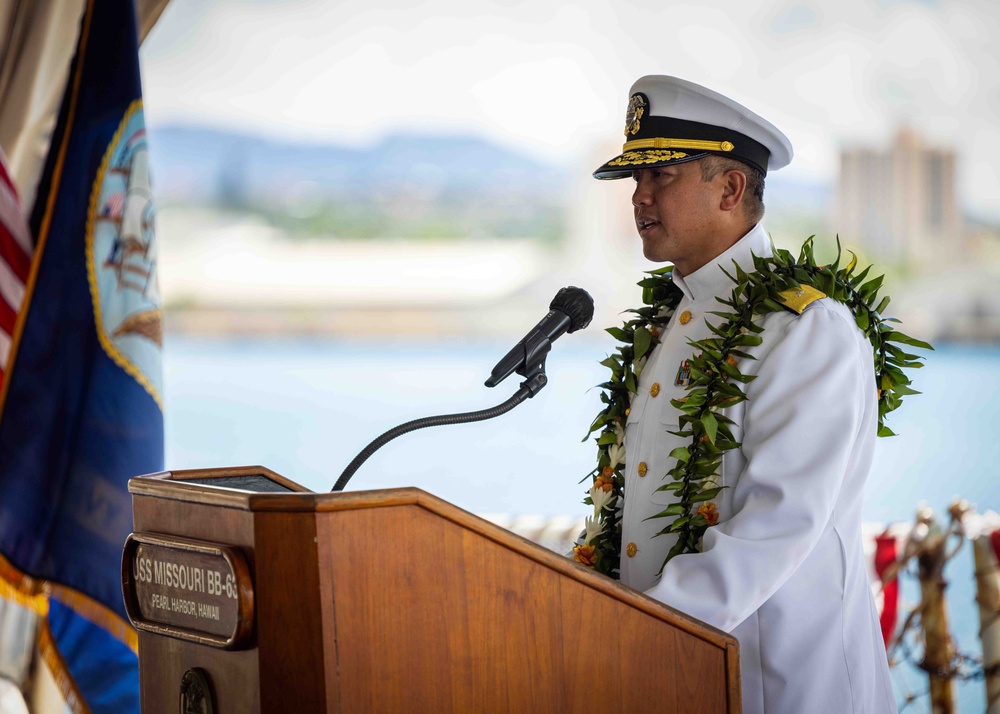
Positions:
{"x": 642, "y": 468}
{"x": 685, "y": 317}
{"x": 655, "y": 389}
{"x": 630, "y": 550}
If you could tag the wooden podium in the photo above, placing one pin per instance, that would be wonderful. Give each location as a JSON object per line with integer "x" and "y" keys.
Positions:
{"x": 253, "y": 594}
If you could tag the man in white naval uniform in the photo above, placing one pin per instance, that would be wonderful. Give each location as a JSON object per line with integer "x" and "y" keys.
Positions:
{"x": 783, "y": 569}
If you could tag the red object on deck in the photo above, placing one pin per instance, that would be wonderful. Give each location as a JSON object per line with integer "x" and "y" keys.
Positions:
{"x": 885, "y": 556}
{"x": 995, "y": 540}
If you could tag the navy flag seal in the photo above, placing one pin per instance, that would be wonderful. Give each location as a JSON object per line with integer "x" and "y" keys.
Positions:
{"x": 122, "y": 256}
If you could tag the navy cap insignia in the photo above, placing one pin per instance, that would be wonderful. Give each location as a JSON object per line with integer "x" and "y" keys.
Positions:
{"x": 636, "y": 109}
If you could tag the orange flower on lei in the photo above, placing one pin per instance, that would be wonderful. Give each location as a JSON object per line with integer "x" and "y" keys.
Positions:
{"x": 606, "y": 481}
{"x": 586, "y": 554}
{"x": 709, "y": 512}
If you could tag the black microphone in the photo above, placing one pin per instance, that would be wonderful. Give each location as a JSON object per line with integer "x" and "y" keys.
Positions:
{"x": 570, "y": 310}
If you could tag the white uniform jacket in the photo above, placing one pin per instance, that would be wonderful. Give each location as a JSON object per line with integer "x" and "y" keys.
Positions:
{"x": 783, "y": 571}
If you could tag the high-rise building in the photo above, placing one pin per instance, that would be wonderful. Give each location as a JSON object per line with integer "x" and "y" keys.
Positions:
{"x": 899, "y": 203}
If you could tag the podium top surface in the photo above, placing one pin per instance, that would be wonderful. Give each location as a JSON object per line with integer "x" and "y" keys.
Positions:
{"x": 257, "y": 488}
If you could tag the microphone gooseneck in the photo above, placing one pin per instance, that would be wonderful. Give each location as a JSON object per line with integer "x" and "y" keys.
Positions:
{"x": 463, "y": 418}
{"x": 570, "y": 310}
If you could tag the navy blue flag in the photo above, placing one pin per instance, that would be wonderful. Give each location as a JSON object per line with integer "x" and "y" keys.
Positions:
{"x": 81, "y": 406}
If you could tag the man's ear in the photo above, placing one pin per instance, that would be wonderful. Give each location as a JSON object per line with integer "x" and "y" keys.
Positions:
{"x": 733, "y": 188}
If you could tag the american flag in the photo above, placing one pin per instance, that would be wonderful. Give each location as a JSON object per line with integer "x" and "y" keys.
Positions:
{"x": 114, "y": 205}
{"x": 16, "y": 249}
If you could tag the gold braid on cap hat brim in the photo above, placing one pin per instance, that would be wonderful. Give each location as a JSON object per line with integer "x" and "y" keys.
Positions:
{"x": 655, "y": 150}
{"x": 633, "y": 158}
{"x": 696, "y": 144}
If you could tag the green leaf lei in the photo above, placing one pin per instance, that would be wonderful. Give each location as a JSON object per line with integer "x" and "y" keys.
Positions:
{"x": 716, "y": 384}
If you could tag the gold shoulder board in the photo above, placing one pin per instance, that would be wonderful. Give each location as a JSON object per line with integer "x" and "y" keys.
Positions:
{"x": 798, "y": 299}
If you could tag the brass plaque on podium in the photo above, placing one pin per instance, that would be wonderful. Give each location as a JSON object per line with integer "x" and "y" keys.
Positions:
{"x": 194, "y": 590}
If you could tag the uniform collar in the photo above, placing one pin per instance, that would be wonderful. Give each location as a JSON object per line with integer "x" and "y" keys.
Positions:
{"x": 709, "y": 280}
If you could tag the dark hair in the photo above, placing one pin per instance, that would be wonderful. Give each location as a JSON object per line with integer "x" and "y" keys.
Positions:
{"x": 753, "y": 195}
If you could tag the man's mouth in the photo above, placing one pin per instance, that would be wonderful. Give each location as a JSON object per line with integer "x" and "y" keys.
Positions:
{"x": 644, "y": 224}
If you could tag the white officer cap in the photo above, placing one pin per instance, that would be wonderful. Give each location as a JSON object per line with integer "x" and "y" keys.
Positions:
{"x": 671, "y": 120}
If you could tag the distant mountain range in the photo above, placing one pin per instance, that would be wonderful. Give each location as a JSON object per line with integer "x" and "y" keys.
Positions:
{"x": 191, "y": 162}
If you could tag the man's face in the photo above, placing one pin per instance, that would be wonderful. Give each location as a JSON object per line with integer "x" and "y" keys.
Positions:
{"x": 678, "y": 215}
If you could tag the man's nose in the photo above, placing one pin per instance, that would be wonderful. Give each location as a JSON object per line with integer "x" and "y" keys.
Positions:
{"x": 642, "y": 195}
